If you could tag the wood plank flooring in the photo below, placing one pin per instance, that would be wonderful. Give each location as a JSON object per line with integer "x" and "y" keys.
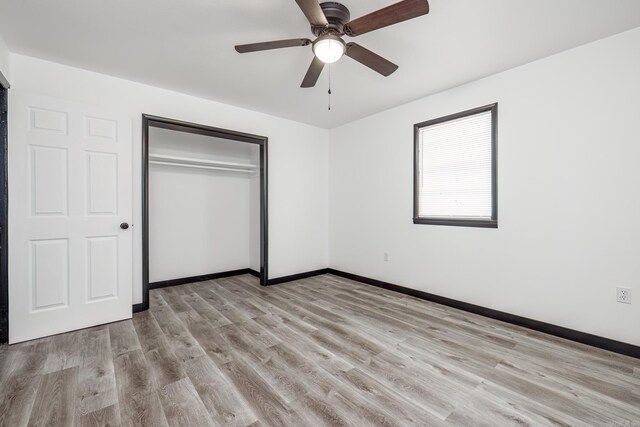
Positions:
{"x": 320, "y": 351}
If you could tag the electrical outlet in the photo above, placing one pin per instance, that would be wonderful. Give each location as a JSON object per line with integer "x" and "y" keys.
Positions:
{"x": 623, "y": 295}
{"x": 385, "y": 257}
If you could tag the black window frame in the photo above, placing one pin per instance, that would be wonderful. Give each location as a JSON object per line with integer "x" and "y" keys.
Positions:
{"x": 460, "y": 222}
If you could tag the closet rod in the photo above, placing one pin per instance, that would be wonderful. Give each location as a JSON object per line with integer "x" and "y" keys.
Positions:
{"x": 186, "y": 165}
{"x": 204, "y": 162}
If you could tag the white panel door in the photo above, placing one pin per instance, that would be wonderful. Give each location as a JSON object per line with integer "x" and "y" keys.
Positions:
{"x": 70, "y": 188}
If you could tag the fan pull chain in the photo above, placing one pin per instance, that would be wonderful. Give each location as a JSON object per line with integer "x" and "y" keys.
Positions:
{"x": 329, "y": 92}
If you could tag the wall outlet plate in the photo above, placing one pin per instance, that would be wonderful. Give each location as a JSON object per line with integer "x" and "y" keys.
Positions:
{"x": 623, "y": 295}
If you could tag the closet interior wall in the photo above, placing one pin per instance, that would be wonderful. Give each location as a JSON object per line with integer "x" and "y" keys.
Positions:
{"x": 204, "y": 205}
{"x": 254, "y": 211}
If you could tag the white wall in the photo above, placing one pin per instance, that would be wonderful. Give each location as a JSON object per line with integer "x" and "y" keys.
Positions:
{"x": 569, "y": 203}
{"x": 298, "y": 153}
{"x": 199, "y": 219}
{"x": 5, "y": 60}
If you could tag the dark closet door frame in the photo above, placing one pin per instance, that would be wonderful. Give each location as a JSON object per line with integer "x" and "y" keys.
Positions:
{"x": 4, "y": 209}
{"x": 149, "y": 121}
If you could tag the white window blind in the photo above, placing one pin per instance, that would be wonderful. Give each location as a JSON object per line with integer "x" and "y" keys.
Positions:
{"x": 455, "y": 168}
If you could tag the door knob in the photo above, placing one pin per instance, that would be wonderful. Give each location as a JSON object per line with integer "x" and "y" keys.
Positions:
{"x": 124, "y": 225}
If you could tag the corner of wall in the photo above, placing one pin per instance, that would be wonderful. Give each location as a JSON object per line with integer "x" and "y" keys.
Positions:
{"x": 5, "y": 62}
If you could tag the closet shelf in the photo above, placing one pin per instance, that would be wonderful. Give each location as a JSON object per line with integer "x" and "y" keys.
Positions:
{"x": 162, "y": 159}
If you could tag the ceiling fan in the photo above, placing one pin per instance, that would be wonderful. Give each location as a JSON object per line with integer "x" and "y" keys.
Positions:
{"x": 331, "y": 20}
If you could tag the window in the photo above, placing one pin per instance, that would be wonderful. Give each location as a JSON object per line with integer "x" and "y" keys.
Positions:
{"x": 455, "y": 169}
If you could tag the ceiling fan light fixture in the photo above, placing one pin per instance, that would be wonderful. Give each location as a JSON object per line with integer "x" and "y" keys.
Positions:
{"x": 329, "y": 48}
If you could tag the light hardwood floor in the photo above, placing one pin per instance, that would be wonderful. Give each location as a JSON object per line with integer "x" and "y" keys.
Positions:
{"x": 320, "y": 351}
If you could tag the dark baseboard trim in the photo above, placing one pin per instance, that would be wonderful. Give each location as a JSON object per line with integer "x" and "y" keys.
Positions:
{"x": 184, "y": 280}
{"x": 298, "y": 276}
{"x": 205, "y": 277}
{"x": 547, "y": 328}
{"x": 137, "y": 308}
{"x": 202, "y": 278}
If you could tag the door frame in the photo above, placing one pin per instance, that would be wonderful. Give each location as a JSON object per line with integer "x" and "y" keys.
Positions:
{"x": 149, "y": 121}
{"x": 4, "y": 206}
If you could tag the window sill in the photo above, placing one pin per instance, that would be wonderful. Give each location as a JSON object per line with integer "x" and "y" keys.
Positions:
{"x": 481, "y": 223}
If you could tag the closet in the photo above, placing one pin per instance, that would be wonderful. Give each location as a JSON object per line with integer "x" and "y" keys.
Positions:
{"x": 204, "y": 207}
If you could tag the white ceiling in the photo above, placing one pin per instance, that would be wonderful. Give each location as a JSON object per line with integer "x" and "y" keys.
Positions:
{"x": 187, "y": 45}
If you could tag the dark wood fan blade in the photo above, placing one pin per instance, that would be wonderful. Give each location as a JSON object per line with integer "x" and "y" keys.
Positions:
{"x": 370, "y": 59}
{"x": 313, "y": 12}
{"x": 389, "y": 15}
{"x": 277, "y": 44}
{"x": 313, "y": 73}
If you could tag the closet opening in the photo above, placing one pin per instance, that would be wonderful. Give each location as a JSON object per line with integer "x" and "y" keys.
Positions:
{"x": 204, "y": 204}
